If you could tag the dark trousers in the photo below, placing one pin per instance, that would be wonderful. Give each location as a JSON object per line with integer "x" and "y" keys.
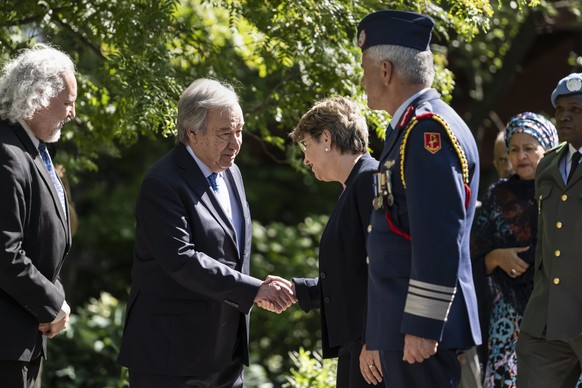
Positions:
{"x": 348, "y": 367}
{"x": 548, "y": 363}
{"x": 439, "y": 371}
{"x": 231, "y": 376}
{"x": 19, "y": 374}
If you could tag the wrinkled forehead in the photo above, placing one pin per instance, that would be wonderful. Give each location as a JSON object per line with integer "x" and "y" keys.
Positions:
{"x": 227, "y": 117}
{"x": 70, "y": 83}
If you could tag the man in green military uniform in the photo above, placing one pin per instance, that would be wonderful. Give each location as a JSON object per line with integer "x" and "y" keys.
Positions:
{"x": 549, "y": 348}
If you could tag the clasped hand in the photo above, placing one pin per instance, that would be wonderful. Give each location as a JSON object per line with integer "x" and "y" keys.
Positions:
{"x": 275, "y": 294}
{"x": 508, "y": 260}
{"x": 51, "y": 329}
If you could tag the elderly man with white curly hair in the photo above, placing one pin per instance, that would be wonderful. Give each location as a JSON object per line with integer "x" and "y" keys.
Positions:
{"x": 37, "y": 97}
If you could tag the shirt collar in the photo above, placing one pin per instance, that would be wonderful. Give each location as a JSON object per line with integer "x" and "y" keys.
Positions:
{"x": 572, "y": 150}
{"x": 402, "y": 108}
{"x": 206, "y": 171}
{"x": 29, "y": 132}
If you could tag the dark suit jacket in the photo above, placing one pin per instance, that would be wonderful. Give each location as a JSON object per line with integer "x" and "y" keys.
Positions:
{"x": 191, "y": 293}
{"x": 554, "y": 310}
{"x": 341, "y": 288}
{"x": 424, "y": 286}
{"x": 34, "y": 240}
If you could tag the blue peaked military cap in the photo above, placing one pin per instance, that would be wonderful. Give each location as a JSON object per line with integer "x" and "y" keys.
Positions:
{"x": 399, "y": 28}
{"x": 567, "y": 86}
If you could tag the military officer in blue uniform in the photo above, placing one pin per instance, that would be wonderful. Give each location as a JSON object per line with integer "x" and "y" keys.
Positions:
{"x": 422, "y": 309}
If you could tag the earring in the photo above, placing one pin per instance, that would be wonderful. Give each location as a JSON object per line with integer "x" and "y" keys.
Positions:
{"x": 327, "y": 150}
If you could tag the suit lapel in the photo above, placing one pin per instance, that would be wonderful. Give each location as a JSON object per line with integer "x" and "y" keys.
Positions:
{"x": 238, "y": 189}
{"x": 41, "y": 168}
{"x": 554, "y": 166}
{"x": 389, "y": 142}
{"x": 577, "y": 175}
{"x": 196, "y": 180}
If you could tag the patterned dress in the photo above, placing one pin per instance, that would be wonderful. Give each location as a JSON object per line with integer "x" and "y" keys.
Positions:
{"x": 507, "y": 218}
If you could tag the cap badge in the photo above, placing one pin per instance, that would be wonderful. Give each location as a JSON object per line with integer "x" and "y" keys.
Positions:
{"x": 574, "y": 85}
{"x": 362, "y": 38}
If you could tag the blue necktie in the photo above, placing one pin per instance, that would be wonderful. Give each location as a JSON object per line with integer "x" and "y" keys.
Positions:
{"x": 212, "y": 179}
{"x": 46, "y": 158}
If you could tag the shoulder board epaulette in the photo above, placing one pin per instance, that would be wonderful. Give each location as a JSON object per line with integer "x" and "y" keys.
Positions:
{"x": 556, "y": 148}
{"x": 454, "y": 141}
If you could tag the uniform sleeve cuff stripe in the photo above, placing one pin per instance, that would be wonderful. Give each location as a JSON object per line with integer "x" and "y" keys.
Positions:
{"x": 431, "y": 295}
{"x": 428, "y": 308}
{"x": 433, "y": 287}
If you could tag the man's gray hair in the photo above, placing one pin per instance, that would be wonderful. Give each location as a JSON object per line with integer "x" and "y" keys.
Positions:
{"x": 202, "y": 95}
{"x": 414, "y": 66}
{"x": 29, "y": 81}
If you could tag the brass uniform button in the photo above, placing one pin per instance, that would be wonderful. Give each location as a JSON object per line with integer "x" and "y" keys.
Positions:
{"x": 557, "y": 253}
{"x": 564, "y": 198}
{"x": 556, "y": 281}
{"x": 559, "y": 225}
{"x": 369, "y": 228}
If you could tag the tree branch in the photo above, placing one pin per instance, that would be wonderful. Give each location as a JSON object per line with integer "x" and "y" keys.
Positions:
{"x": 80, "y": 36}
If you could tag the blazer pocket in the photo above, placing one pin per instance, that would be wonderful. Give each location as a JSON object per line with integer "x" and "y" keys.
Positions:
{"x": 180, "y": 306}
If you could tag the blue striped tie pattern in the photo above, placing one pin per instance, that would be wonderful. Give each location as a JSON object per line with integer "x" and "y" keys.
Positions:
{"x": 46, "y": 158}
{"x": 212, "y": 179}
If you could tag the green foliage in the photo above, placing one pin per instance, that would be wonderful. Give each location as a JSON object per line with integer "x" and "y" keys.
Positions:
{"x": 84, "y": 356}
{"x": 311, "y": 370}
{"x": 105, "y": 203}
{"x": 135, "y": 57}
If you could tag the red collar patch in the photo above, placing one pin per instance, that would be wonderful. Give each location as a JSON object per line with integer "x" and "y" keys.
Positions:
{"x": 405, "y": 117}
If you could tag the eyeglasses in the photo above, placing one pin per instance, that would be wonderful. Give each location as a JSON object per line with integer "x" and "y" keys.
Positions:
{"x": 302, "y": 145}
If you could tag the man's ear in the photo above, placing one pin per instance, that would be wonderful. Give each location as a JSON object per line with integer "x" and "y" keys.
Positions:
{"x": 387, "y": 70}
{"x": 192, "y": 136}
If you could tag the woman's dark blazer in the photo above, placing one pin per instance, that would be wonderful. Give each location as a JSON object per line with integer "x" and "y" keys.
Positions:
{"x": 341, "y": 288}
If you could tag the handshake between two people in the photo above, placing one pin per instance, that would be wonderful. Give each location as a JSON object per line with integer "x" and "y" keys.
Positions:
{"x": 276, "y": 294}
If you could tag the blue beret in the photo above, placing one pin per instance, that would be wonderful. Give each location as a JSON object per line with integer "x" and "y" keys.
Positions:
{"x": 399, "y": 28}
{"x": 567, "y": 86}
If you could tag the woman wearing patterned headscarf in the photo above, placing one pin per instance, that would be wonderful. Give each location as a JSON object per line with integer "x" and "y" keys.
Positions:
{"x": 504, "y": 242}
